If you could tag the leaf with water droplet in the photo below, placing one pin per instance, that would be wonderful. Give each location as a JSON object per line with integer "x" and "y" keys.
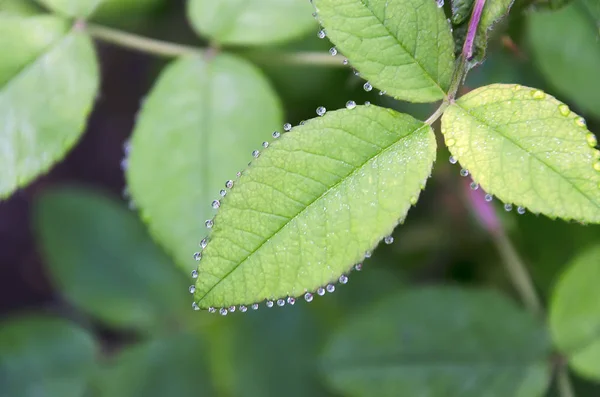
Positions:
{"x": 526, "y": 148}
{"x": 72, "y": 8}
{"x": 43, "y": 355}
{"x": 196, "y": 130}
{"x": 48, "y": 82}
{"x": 313, "y": 203}
{"x": 564, "y": 45}
{"x": 575, "y": 313}
{"x": 439, "y": 342}
{"x": 251, "y": 22}
{"x": 403, "y": 47}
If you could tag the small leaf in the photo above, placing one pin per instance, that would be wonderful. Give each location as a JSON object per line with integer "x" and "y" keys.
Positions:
{"x": 565, "y": 48}
{"x": 47, "y": 90}
{"x": 528, "y": 149}
{"x": 103, "y": 261}
{"x": 44, "y": 356}
{"x": 72, "y": 8}
{"x": 196, "y": 129}
{"x": 403, "y": 47}
{"x": 251, "y": 22}
{"x": 439, "y": 342}
{"x": 313, "y": 203}
{"x": 575, "y": 314}
{"x": 461, "y": 10}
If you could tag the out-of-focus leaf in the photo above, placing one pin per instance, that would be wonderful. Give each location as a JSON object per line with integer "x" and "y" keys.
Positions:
{"x": 565, "y": 45}
{"x": 72, "y": 8}
{"x": 575, "y": 314}
{"x": 17, "y": 7}
{"x": 175, "y": 365}
{"x": 102, "y": 260}
{"x": 44, "y": 356}
{"x": 439, "y": 342}
{"x": 48, "y": 82}
{"x": 528, "y": 149}
{"x": 312, "y": 204}
{"x": 251, "y": 22}
{"x": 383, "y": 41}
{"x": 114, "y": 8}
{"x": 197, "y": 128}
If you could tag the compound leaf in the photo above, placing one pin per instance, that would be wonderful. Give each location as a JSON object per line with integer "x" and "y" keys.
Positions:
{"x": 575, "y": 314}
{"x": 403, "y": 47}
{"x": 527, "y": 148}
{"x": 196, "y": 129}
{"x": 312, "y": 204}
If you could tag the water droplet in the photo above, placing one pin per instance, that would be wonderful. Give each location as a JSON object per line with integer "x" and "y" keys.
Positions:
{"x": 350, "y": 105}
{"x": 269, "y": 303}
{"x": 368, "y": 254}
{"x": 287, "y": 127}
{"x": 321, "y": 291}
{"x": 356, "y": 72}
{"x": 321, "y": 34}
{"x": 474, "y": 186}
{"x": 591, "y": 139}
{"x": 194, "y": 273}
{"x": 229, "y": 184}
{"x": 597, "y": 165}
{"x": 564, "y": 110}
{"x": 330, "y": 288}
{"x": 124, "y": 164}
{"x": 464, "y": 172}
{"x": 382, "y": 92}
{"x": 203, "y": 243}
{"x": 333, "y": 51}
{"x": 321, "y": 110}
{"x": 265, "y": 144}
{"x": 232, "y": 309}
{"x": 450, "y": 142}
{"x": 538, "y": 94}
{"x": 212, "y": 310}
{"x": 255, "y": 306}
{"x": 223, "y": 193}
{"x": 280, "y": 302}
{"x": 216, "y": 204}
{"x": 195, "y": 306}
{"x": 197, "y": 255}
{"x": 489, "y": 197}
{"x": 367, "y": 103}
{"x": 520, "y": 210}
{"x": 508, "y": 207}
{"x": 303, "y": 122}
{"x": 440, "y": 3}
{"x": 388, "y": 240}
{"x": 345, "y": 62}
{"x": 453, "y": 160}
{"x": 243, "y": 309}
{"x": 209, "y": 224}
{"x": 358, "y": 267}
{"x": 308, "y": 297}
{"x": 291, "y": 300}
{"x": 276, "y": 134}
{"x": 223, "y": 311}
{"x": 192, "y": 289}
{"x": 367, "y": 86}
{"x": 343, "y": 279}
{"x": 255, "y": 153}
{"x": 580, "y": 121}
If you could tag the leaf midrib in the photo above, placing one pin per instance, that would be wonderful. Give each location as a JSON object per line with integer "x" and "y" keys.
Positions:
{"x": 515, "y": 143}
{"x": 309, "y": 205}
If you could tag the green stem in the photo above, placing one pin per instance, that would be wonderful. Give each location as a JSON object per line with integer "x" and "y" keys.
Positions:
{"x": 438, "y": 113}
{"x": 565, "y": 387}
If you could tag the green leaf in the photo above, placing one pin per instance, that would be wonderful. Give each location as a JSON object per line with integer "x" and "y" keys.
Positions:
{"x": 45, "y": 103}
{"x": 197, "y": 128}
{"x": 175, "y": 365}
{"x": 313, "y": 203}
{"x": 251, "y": 22}
{"x": 527, "y": 148}
{"x": 439, "y": 342}
{"x": 101, "y": 258}
{"x": 44, "y": 356}
{"x": 72, "y": 8}
{"x": 575, "y": 314}
{"x": 403, "y": 47}
{"x": 565, "y": 48}
{"x": 461, "y": 10}
{"x": 17, "y": 7}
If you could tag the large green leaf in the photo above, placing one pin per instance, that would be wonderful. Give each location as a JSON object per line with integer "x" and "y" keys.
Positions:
{"x": 44, "y": 356}
{"x": 565, "y": 48}
{"x": 575, "y": 314}
{"x": 528, "y": 149}
{"x": 403, "y": 47}
{"x": 312, "y": 204}
{"x": 101, "y": 258}
{"x": 72, "y": 8}
{"x": 196, "y": 129}
{"x": 439, "y": 342}
{"x": 251, "y": 22}
{"x": 47, "y": 91}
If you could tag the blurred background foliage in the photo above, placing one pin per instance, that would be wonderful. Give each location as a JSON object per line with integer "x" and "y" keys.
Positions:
{"x": 91, "y": 305}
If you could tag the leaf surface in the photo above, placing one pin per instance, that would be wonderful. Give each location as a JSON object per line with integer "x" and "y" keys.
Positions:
{"x": 313, "y": 204}
{"x": 528, "y": 149}
{"x": 72, "y": 8}
{"x": 403, "y": 47}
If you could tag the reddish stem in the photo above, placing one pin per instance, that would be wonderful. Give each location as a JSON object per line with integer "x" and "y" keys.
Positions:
{"x": 473, "y": 24}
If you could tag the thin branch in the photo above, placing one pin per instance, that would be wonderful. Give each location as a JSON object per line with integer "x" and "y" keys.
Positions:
{"x": 467, "y": 50}
{"x": 564, "y": 382}
{"x": 437, "y": 114}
